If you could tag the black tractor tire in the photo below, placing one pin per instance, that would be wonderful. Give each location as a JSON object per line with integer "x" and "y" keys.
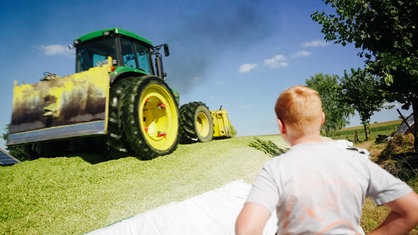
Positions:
{"x": 116, "y": 145}
{"x": 149, "y": 117}
{"x": 196, "y": 123}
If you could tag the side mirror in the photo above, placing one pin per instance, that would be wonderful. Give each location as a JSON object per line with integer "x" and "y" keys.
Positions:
{"x": 166, "y": 50}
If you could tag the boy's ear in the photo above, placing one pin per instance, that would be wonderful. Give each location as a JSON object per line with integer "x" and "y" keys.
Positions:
{"x": 323, "y": 118}
{"x": 282, "y": 127}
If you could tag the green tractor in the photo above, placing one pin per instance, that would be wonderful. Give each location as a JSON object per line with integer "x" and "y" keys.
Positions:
{"x": 117, "y": 101}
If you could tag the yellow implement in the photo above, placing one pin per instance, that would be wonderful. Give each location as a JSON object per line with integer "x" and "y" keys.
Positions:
{"x": 221, "y": 124}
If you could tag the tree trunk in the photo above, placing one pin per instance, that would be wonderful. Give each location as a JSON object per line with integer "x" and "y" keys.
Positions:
{"x": 366, "y": 132}
{"x": 415, "y": 129}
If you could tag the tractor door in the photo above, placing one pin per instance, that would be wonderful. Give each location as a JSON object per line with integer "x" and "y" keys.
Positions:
{"x": 136, "y": 56}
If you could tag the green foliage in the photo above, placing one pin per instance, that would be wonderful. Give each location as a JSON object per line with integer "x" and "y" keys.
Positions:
{"x": 336, "y": 111}
{"x": 386, "y": 31}
{"x": 360, "y": 91}
{"x": 267, "y": 146}
{"x": 18, "y": 152}
{"x": 374, "y": 26}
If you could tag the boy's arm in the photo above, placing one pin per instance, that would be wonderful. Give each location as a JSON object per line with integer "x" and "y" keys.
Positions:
{"x": 252, "y": 219}
{"x": 403, "y": 216}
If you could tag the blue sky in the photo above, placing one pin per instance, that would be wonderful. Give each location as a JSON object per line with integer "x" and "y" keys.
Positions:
{"x": 236, "y": 53}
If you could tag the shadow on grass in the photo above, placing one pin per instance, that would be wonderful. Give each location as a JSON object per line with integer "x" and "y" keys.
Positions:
{"x": 93, "y": 158}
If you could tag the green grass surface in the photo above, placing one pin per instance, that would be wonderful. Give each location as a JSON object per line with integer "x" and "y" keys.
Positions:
{"x": 75, "y": 195}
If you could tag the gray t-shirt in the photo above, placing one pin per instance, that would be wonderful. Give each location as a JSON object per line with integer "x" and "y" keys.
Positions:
{"x": 321, "y": 187}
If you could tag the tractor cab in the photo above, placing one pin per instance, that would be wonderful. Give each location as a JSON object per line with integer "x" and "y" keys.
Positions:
{"x": 129, "y": 52}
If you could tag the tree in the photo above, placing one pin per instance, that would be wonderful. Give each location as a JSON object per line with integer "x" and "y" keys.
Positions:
{"x": 360, "y": 91}
{"x": 337, "y": 113}
{"x": 386, "y": 31}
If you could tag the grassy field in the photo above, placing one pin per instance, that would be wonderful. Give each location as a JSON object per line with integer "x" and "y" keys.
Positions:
{"x": 78, "y": 194}
{"x": 375, "y": 129}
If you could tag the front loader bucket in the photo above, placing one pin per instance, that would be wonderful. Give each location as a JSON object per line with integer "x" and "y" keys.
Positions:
{"x": 61, "y": 107}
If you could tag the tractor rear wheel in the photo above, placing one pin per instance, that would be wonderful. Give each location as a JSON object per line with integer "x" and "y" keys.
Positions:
{"x": 149, "y": 117}
{"x": 196, "y": 123}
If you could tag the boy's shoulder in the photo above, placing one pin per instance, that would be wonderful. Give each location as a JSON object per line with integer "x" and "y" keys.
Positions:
{"x": 338, "y": 148}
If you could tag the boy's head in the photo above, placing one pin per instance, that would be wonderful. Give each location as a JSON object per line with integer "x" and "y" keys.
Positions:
{"x": 300, "y": 109}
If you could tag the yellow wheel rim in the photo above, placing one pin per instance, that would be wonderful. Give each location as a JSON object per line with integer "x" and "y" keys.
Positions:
{"x": 158, "y": 117}
{"x": 202, "y": 124}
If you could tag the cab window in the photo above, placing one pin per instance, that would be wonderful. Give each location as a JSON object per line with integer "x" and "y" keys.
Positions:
{"x": 95, "y": 53}
{"x": 143, "y": 58}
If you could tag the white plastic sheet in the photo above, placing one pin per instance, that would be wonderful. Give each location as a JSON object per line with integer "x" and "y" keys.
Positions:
{"x": 213, "y": 212}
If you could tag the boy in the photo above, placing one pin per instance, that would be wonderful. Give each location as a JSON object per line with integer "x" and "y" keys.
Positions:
{"x": 318, "y": 187}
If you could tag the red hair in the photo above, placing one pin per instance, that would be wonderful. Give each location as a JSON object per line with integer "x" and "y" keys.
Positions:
{"x": 300, "y": 107}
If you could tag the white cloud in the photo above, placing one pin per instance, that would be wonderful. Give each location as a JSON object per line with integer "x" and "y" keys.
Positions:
{"x": 276, "y": 61}
{"x": 302, "y": 53}
{"x": 55, "y": 49}
{"x": 316, "y": 43}
{"x": 246, "y": 68}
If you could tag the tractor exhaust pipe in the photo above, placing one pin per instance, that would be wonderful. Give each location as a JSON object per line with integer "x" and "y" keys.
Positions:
{"x": 159, "y": 61}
